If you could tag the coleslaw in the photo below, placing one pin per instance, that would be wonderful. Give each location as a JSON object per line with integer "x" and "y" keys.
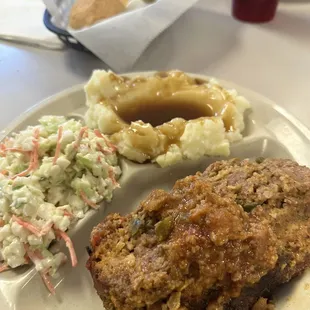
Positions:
{"x": 50, "y": 175}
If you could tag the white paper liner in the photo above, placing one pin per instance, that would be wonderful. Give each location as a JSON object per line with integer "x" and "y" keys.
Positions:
{"x": 119, "y": 41}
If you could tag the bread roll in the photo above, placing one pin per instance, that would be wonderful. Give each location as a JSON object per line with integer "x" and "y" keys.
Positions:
{"x": 87, "y": 12}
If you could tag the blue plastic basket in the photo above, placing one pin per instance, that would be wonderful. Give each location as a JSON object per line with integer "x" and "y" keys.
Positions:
{"x": 63, "y": 35}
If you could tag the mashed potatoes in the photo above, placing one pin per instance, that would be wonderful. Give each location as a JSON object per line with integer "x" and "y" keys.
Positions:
{"x": 165, "y": 118}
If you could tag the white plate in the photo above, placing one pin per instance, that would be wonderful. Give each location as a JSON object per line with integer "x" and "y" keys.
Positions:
{"x": 270, "y": 132}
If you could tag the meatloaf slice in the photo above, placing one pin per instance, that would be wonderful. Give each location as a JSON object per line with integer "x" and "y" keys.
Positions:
{"x": 217, "y": 240}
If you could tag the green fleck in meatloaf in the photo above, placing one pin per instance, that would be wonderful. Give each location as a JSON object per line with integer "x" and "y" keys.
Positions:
{"x": 221, "y": 239}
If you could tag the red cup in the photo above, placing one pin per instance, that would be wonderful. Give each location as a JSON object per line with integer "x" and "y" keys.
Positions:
{"x": 254, "y": 11}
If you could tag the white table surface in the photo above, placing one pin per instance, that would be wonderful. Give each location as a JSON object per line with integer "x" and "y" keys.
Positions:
{"x": 272, "y": 59}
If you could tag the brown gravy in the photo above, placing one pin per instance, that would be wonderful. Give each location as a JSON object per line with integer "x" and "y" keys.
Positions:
{"x": 169, "y": 95}
{"x": 158, "y": 112}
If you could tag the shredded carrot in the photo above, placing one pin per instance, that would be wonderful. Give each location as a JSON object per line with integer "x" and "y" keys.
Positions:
{"x": 100, "y": 147}
{"x": 47, "y": 282}
{"x": 4, "y": 267}
{"x": 108, "y": 143}
{"x": 27, "y": 259}
{"x": 2, "y": 223}
{"x": 69, "y": 245}
{"x": 80, "y": 137}
{"x": 2, "y": 149}
{"x": 38, "y": 254}
{"x": 98, "y": 133}
{"x": 67, "y": 213}
{"x": 103, "y": 150}
{"x": 34, "y": 156}
{"x": 112, "y": 177}
{"x": 58, "y": 145}
{"x": 27, "y": 249}
{"x": 34, "y": 257}
{"x": 23, "y": 173}
{"x": 46, "y": 228}
{"x": 17, "y": 150}
{"x": 88, "y": 201}
{"x": 32, "y": 228}
{"x": 35, "y": 230}
{"x": 36, "y": 133}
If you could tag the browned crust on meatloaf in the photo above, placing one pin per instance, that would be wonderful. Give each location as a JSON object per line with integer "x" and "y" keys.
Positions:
{"x": 218, "y": 240}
